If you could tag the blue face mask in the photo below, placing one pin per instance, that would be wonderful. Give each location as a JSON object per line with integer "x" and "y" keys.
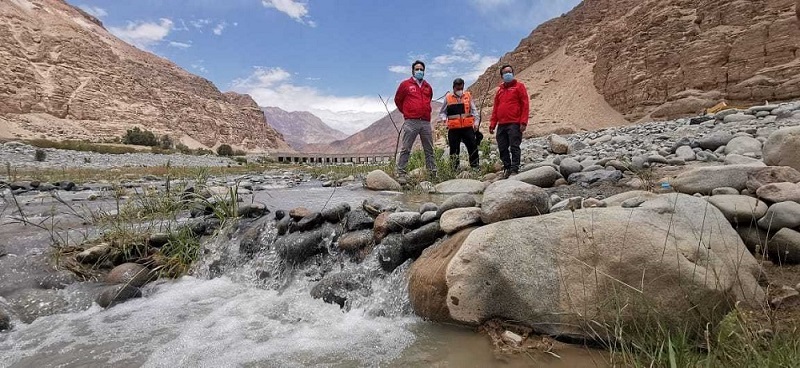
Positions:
{"x": 419, "y": 74}
{"x": 508, "y": 77}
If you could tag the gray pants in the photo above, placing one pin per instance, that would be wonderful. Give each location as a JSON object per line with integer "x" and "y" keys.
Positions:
{"x": 411, "y": 129}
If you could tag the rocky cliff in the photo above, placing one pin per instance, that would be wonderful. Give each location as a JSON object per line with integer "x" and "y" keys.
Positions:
{"x": 64, "y": 76}
{"x": 610, "y": 62}
{"x": 300, "y": 128}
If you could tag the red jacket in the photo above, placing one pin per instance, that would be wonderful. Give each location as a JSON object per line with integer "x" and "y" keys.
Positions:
{"x": 413, "y": 100}
{"x": 511, "y": 105}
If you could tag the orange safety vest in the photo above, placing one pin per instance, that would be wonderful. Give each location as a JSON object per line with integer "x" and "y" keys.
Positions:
{"x": 464, "y": 120}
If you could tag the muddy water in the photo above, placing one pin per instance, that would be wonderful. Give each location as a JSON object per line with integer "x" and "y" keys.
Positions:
{"x": 238, "y": 320}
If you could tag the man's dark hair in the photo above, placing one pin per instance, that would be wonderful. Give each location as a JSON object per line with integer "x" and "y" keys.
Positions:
{"x": 506, "y": 66}
{"x": 458, "y": 82}
{"x": 415, "y": 64}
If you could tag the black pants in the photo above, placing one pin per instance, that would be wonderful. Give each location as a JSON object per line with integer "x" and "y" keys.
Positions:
{"x": 466, "y": 135}
{"x": 509, "y": 137}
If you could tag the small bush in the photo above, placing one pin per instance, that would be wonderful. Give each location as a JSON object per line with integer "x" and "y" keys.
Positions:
{"x": 87, "y": 160}
{"x": 225, "y": 150}
{"x": 140, "y": 137}
{"x": 165, "y": 142}
{"x": 40, "y": 155}
{"x": 203, "y": 152}
{"x": 182, "y": 148}
{"x": 241, "y": 160}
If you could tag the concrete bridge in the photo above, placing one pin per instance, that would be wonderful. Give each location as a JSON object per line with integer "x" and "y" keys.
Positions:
{"x": 335, "y": 158}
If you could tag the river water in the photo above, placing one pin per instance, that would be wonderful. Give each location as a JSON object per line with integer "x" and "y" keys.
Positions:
{"x": 259, "y": 313}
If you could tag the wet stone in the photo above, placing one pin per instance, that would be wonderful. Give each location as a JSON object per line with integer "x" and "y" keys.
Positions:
{"x": 116, "y": 294}
{"x": 336, "y": 213}
{"x": 390, "y": 252}
{"x": 58, "y": 280}
{"x": 416, "y": 241}
{"x": 280, "y": 214}
{"x": 252, "y": 210}
{"x": 310, "y": 222}
{"x": 359, "y": 220}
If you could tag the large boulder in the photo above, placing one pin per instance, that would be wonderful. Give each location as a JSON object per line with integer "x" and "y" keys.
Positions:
{"x": 779, "y": 192}
{"x": 743, "y": 145}
{"x": 775, "y": 174}
{"x": 508, "y": 199}
{"x": 784, "y": 247}
{"x": 379, "y": 180}
{"x": 674, "y": 257}
{"x": 705, "y": 179}
{"x": 456, "y": 186}
{"x": 543, "y": 177}
{"x": 427, "y": 286}
{"x": 739, "y": 209}
{"x": 781, "y": 215}
{"x": 458, "y": 219}
{"x": 782, "y": 148}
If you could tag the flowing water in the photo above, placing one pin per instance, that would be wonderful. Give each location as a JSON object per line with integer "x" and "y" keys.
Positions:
{"x": 241, "y": 312}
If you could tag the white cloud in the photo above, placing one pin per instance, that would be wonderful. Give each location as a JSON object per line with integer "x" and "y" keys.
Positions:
{"x": 143, "y": 34}
{"x": 199, "y": 67}
{"x": 180, "y": 45}
{"x": 94, "y": 11}
{"x": 295, "y": 9}
{"x": 460, "y": 61}
{"x": 274, "y": 87}
{"x": 200, "y": 23}
{"x": 218, "y": 29}
{"x": 521, "y": 14}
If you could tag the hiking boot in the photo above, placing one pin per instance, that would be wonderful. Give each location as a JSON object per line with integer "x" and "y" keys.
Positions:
{"x": 506, "y": 174}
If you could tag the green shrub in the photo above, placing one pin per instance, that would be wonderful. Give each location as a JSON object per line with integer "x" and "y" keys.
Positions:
{"x": 182, "y": 148}
{"x": 225, "y": 150}
{"x": 40, "y": 155}
{"x": 165, "y": 142}
{"x": 140, "y": 137}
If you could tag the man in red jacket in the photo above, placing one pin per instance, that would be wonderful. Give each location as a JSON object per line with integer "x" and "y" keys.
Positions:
{"x": 510, "y": 118}
{"x": 413, "y": 99}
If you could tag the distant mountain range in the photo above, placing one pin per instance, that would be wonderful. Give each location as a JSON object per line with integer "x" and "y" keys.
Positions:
{"x": 301, "y": 128}
{"x": 380, "y": 137}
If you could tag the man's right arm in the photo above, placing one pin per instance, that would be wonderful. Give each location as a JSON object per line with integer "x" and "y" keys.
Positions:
{"x": 400, "y": 96}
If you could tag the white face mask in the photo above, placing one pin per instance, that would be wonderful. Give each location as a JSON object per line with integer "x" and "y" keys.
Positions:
{"x": 459, "y": 93}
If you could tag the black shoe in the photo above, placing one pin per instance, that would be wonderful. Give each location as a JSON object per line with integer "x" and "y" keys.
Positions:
{"x": 506, "y": 174}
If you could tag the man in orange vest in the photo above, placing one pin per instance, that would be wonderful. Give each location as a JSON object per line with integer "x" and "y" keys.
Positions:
{"x": 462, "y": 120}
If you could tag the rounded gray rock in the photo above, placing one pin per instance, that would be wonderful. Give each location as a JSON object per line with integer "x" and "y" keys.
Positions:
{"x": 116, "y": 294}
{"x": 781, "y": 215}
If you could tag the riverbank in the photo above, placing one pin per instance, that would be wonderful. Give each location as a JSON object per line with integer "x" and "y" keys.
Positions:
{"x": 356, "y": 249}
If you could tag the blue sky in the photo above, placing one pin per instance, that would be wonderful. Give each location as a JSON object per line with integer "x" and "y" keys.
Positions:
{"x": 329, "y": 57}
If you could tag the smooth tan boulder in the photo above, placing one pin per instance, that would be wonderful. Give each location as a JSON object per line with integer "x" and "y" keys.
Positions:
{"x": 571, "y": 274}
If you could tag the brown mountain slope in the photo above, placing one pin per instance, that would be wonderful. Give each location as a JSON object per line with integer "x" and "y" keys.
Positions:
{"x": 655, "y": 59}
{"x": 63, "y": 76}
{"x": 379, "y": 137}
{"x": 300, "y": 128}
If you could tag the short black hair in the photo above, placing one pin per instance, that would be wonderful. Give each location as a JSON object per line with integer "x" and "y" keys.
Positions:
{"x": 506, "y": 66}
{"x": 458, "y": 82}
{"x": 417, "y": 62}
